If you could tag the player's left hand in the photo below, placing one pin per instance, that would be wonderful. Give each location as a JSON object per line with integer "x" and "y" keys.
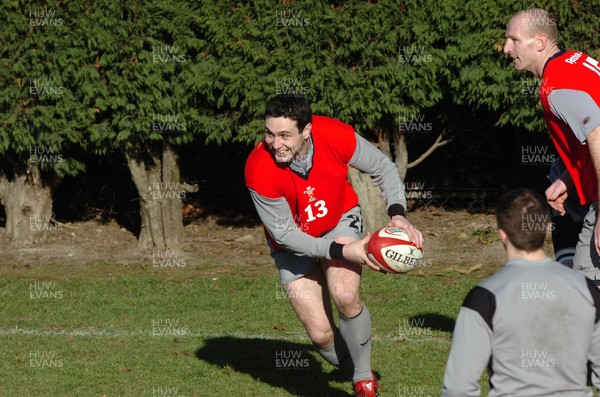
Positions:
{"x": 356, "y": 252}
{"x": 413, "y": 234}
{"x": 556, "y": 195}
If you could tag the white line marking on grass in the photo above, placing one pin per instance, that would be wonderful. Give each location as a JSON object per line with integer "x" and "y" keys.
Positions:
{"x": 184, "y": 333}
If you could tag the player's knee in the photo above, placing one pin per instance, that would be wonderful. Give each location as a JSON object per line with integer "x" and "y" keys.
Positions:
{"x": 348, "y": 303}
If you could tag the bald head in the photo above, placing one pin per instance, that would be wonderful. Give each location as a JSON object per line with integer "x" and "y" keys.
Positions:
{"x": 536, "y": 21}
{"x": 531, "y": 39}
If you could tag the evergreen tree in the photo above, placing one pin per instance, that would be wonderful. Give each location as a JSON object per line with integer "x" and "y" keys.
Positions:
{"x": 42, "y": 114}
{"x": 144, "y": 51}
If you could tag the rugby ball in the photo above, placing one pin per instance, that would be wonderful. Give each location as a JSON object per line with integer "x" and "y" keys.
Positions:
{"x": 392, "y": 251}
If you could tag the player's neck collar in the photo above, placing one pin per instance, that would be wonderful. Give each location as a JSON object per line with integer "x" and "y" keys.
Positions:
{"x": 302, "y": 165}
{"x": 556, "y": 55}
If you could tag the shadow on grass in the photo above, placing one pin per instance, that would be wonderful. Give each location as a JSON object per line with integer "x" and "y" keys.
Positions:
{"x": 434, "y": 321}
{"x": 279, "y": 363}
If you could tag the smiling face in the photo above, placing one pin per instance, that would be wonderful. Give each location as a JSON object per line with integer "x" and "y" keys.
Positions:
{"x": 285, "y": 140}
{"x": 521, "y": 45}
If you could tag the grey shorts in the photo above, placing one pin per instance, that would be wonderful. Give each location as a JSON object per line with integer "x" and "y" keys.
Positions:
{"x": 587, "y": 260}
{"x": 292, "y": 267}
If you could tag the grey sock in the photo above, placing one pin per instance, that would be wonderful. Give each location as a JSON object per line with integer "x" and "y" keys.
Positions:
{"x": 357, "y": 333}
{"x": 329, "y": 354}
{"x": 338, "y": 351}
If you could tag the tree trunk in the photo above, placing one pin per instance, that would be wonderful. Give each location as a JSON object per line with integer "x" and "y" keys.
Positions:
{"x": 157, "y": 179}
{"x": 400, "y": 155}
{"x": 373, "y": 209}
{"x": 27, "y": 202}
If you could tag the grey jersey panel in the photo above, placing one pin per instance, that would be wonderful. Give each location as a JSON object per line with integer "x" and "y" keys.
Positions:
{"x": 576, "y": 108}
{"x": 467, "y": 359}
{"x": 277, "y": 218}
{"x": 544, "y": 331}
{"x": 383, "y": 172}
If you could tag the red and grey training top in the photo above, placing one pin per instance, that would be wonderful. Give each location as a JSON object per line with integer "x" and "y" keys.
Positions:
{"x": 570, "y": 96}
{"x": 303, "y": 200}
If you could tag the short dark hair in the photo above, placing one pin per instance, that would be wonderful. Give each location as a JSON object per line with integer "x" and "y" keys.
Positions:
{"x": 524, "y": 215}
{"x": 294, "y": 107}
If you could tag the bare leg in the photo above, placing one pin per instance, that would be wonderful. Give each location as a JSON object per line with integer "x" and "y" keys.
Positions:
{"x": 310, "y": 300}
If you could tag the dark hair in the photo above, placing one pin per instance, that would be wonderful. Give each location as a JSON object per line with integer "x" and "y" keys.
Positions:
{"x": 524, "y": 215}
{"x": 294, "y": 107}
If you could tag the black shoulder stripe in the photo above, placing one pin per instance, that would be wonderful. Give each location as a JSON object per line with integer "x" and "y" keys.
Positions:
{"x": 483, "y": 302}
{"x": 595, "y": 296}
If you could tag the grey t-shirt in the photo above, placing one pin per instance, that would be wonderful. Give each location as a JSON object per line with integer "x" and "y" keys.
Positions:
{"x": 534, "y": 324}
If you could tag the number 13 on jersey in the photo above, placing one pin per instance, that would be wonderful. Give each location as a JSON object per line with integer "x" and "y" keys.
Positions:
{"x": 320, "y": 210}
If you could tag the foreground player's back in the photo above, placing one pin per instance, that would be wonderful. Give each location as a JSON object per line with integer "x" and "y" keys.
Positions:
{"x": 534, "y": 324}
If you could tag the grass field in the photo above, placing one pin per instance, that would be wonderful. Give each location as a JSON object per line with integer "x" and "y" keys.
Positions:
{"x": 86, "y": 314}
{"x": 135, "y": 332}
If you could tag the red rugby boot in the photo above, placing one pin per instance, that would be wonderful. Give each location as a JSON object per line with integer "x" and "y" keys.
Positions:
{"x": 367, "y": 388}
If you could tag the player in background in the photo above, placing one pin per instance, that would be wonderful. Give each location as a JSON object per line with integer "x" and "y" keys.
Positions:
{"x": 566, "y": 228}
{"x": 570, "y": 94}
{"x": 297, "y": 177}
{"x": 534, "y": 324}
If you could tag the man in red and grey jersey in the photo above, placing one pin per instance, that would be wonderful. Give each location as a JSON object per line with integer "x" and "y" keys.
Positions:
{"x": 570, "y": 96}
{"x": 297, "y": 177}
